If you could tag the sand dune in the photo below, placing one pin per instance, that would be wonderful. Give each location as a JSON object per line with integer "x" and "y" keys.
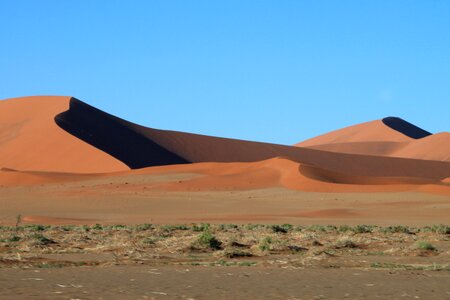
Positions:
{"x": 277, "y": 172}
{"x": 373, "y": 131}
{"x": 66, "y": 150}
{"x": 387, "y": 137}
{"x": 63, "y": 161}
{"x": 30, "y": 139}
{"x": 433, "y": 147}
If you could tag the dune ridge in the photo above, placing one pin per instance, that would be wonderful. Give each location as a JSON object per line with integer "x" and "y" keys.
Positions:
{"x": 69, "y": 137}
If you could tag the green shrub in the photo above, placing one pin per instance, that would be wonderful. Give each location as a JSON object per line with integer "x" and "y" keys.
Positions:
{"x": 425, "y": 246}
{"x": 363, "y": 229}
{"x": 42, "y": 240}
{"x": 265, "y": 244}
{"x": 36, "y": 227}
{"x": 97, "y": 227}
{"x": 225, "y": 227}
{"x": 253, "y": 226}
{"x": 207, "y": 240}
{"x": 344, "y": 228}
{"x": 170, "y": 228}
{"x": 201, "y": 227}
{"x": 285, "y": 228}
{"x": 396, "y": 229}
{"x": 440, "y": 228}
{"x": 14, "y": 238}
{"x": 143, "y": 227}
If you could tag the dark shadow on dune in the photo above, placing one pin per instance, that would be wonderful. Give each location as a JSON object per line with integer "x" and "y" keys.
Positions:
{"x": 114, "y": 136}
{"x": 405, "y": 127}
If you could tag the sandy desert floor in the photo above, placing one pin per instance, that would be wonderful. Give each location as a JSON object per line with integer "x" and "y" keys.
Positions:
{"x": 133, "y": 200}
{"x": 222, "y": 283}
{"x": 227, "y": 261}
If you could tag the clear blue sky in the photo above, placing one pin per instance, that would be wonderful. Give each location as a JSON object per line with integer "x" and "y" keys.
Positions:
{"x": 275, "y": 71}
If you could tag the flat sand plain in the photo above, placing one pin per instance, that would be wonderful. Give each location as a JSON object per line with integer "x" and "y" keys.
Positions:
{"x": 78, "y": 203}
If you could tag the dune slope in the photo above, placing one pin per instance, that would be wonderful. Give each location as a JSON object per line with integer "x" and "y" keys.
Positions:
{"x": 139, "y": 147}
{"x": 30, "y": 139}
{"x": 67, "y": 135}
{"x": 387, "y": 137}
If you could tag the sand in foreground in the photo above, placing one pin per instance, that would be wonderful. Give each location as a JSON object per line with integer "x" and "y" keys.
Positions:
{"x": 146, "y": 282}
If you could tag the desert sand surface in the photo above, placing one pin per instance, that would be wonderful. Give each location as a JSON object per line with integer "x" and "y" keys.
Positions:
{"x": 63, "y": 160}
{"x": 221, "y": 283}
{"x": 235, "y": 193}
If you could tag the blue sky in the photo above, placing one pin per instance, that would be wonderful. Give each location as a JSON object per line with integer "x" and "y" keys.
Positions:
{"x": 275, "y": 71}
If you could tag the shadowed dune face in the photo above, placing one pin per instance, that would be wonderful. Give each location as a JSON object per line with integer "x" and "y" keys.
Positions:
{"x": 405, "y": 127}
{"x": 114, "y": 136}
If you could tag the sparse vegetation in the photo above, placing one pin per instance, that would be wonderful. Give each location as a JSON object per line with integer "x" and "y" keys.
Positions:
{"x": 234, "y": 253}
{"x": 441, "y": 229}
{"x": 265, "y": 244}
{"x": 42, "y": 240}
{"x": 396, "y": 229}
{"x": 207, "y": 240}
{"x": 203, "y": 243}
{"x": 345, "y": 244}
{"x": 201, "y": 227}
{"x": 285, "y": 228}
{"x": 425, "y": 246}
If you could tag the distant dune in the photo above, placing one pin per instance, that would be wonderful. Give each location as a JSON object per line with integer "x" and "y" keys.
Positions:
{"x": 387, "y": 137}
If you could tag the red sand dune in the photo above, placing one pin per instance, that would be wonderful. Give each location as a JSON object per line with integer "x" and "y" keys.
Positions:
{"x": 31, "y": 140}
{"x": 48, "y": 135}
{"x": 282, "y": 172}
{"x": 379, "y": 139}
{"x": 373, "y": 131}
{"x": 433, "y": 147}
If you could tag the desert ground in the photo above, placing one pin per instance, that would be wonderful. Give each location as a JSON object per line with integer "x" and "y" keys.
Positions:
{"x": 96, "y": 207}
{"x": 225, "y": 261}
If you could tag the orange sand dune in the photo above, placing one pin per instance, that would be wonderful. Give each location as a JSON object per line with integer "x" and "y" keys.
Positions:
{"x": 282, "y": 172}
{"x": 235, "y": 176}
{"x": 374, "y": 131}
{"x": 433, "y": 147}
{"x": 31, "y": 140}
{"x": 368, "y": 148}
{"x": 377, "y": 138}
{"x": 63, "y": 161}
{"x": 9, "y": 177}
{"x": 67, "y": 135}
